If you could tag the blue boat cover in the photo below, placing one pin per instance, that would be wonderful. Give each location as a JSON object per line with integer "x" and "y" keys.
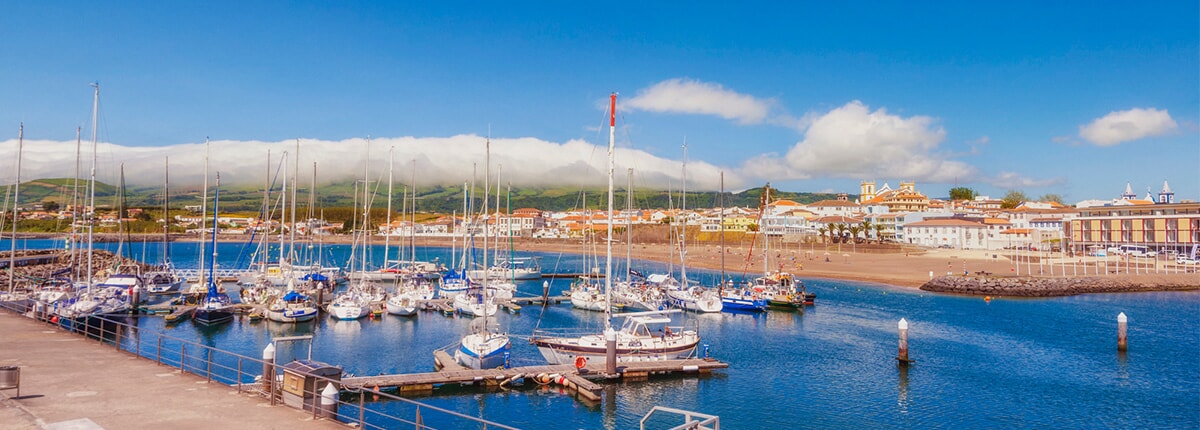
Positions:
{"x": 315, "y": 277}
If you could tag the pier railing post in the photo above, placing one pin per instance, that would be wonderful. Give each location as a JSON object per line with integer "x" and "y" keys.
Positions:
{"x": 1122, "y": 332}
{"x": 903, "y": 355}
{"x": 362, "y": 398}
{"x": 158, "y": 351}
{"x": 182, "y": 357}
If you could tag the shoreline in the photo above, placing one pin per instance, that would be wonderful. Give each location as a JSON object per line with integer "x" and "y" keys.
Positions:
{"x": 890, "y": 265}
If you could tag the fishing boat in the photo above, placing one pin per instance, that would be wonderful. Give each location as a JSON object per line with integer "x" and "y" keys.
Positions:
{"x": 638, "y": 336}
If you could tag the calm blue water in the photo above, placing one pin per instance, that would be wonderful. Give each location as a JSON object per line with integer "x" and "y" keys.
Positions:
{"x": 1006, "y": 363}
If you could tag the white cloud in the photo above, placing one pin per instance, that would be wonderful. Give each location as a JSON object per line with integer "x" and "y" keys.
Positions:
{"x": 853, "y": 142}
{"x": 1123, "y": 126}
{"x": 681, "y": 95}
{"x": 1015, "y": 181}
{"x": 439, "y": 160}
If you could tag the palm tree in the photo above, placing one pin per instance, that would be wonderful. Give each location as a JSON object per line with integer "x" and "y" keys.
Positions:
{"x": 854, "y": 231}
{"x": 866, "y": 229}
{"x": 822, "y": 230}
{"x": 841, "y": 231}
{"x": 878, "y": 232}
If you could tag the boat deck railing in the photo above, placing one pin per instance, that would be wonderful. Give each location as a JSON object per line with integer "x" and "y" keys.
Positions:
{"x": 244, "y": 374}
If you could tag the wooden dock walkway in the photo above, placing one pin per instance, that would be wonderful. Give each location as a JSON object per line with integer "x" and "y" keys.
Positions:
{"x": 578, "y": 380}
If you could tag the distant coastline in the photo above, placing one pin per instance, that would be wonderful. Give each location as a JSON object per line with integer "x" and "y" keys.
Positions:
{"x": 987, "y": 273}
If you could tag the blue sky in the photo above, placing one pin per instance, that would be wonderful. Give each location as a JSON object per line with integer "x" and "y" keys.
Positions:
{"x": 1075, "y": 99}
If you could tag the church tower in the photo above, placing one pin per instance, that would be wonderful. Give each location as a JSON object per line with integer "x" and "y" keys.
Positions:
{"x": 1128, "y": 195}
{"x": 1166, "y": 196}
{"x": 867, "y": 191}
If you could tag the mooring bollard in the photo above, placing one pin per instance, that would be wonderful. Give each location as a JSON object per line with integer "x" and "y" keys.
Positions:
{"x": 1122, "y": 332}
{"x": 610, "y": 353}
{"x": 268, "y": 374}
{"x": 329, "y": 401}
{"x": 903, "y": 357}
{"x": 545, "y": 293}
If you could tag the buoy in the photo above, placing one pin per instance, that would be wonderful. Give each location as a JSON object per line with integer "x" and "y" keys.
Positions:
{"x": 54, "y": 320}
{"x": 987, "y": 299}
{"x": 580, "y": 362}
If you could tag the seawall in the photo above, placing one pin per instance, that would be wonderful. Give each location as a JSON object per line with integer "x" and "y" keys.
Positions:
{"x": 1051, "y": 287}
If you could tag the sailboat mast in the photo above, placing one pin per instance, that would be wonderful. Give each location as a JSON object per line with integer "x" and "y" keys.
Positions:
{"x": 166, "y": 210}
{"x": 75, "y": 209}
{"x": 292, "y": 229}
{"x": 12, "y": 250}
{"x": 721, "y": 222}
{"x": 612, "y": 137}
{"x": 203, "y": 214}
{"x": 366, "y": 206}
{"x": 282, "y": 208}
{"x": 413, "y": 230}
{"x": 92, "y": 182}
{"x": 387, "y": 235}
{"x": 212, "y": 264}
{"x": 487, "y": 163}
{"x": 683, "y": 223}
{"x": 629, "y": 228}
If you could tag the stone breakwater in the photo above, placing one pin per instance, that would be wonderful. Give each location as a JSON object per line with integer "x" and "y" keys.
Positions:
{"x": 1051, "y": 287}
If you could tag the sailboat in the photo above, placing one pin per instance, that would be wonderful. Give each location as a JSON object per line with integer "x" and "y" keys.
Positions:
{"x": 486, "y": 346}
{"x": 416, "y": 286}
{"x": 682, "y": 294}
{"x": 587, "y": 291}
{"x": 164, "y": 280}
{"x": 215, "y": 307}
{"x": 642, "y": 335}
{"x": 355, "y": 302}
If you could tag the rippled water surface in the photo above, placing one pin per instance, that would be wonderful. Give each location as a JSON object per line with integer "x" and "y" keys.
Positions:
{"x": 1040, "y": 363}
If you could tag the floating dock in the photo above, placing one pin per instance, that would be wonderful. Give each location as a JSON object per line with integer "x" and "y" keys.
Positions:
{"x": 578, "y": 380}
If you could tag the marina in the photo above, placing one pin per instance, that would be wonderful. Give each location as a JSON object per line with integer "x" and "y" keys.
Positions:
{"x": 839, "y": 353}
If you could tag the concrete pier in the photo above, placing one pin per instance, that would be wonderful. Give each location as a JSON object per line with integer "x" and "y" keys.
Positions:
{"x": 68, "y": 381}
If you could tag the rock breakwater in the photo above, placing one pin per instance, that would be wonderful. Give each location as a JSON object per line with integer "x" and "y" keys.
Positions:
{"x": 1051, "y": 287}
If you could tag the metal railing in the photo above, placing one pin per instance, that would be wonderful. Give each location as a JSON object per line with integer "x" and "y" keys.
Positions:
{"x": 244, "y": 374}
{"x": 691, "y": 420}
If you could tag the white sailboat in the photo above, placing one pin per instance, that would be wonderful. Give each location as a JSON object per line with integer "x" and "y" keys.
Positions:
{"x": 642, "y": 336}
{"x": 683, "y": 295}
{"x": 355, "y": 302}
{"x": 486, "y": 346}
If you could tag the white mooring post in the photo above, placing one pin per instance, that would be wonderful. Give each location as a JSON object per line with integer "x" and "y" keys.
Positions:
{"x": 903, "y": 356}
{"x": 268, "y": 374}
{"x": 329, "y": 401}
{"x": 1122, "y": 332}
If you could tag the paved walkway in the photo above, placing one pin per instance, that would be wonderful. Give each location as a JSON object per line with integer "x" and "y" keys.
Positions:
{"x": 68, "y": 382}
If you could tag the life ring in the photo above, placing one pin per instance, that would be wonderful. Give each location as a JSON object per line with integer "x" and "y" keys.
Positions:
{"x": 580, "y": 362}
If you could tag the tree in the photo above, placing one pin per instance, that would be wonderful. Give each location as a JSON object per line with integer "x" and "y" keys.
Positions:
{"x": 962, "y": 193}
{"x": 854, "y": 231}
{"x": 878, "y": 232}
{"x": 50, "y": 206}
{"x": 1051, "y": 198}
{"x": 1012, "y": 199}
{"x": 822, "y": 230}
{"x": 866, "y": 229}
